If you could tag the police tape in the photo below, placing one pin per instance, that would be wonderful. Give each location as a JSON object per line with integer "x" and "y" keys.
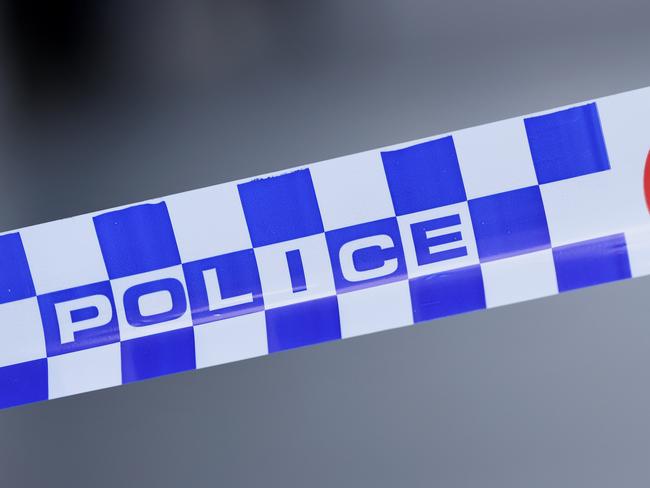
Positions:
{"x": 498, "y": 214}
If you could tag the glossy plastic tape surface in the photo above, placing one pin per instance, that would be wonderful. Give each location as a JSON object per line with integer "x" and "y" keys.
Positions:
{"x": 498, "y": 214}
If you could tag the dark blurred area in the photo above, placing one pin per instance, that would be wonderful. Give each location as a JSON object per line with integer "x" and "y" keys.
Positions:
{"x": 87, "y": 86}
{"x": 73, "y": 51}
{"x": 98, "y": 97}
{"x": 55, "y": 50}
{"x": 104, "y": 103}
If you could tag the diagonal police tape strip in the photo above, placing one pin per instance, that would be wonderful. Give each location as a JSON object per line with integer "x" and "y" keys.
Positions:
{"x": 492, "y": 215}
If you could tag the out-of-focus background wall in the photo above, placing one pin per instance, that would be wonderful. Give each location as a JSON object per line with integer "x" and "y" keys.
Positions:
{"x": 106, "y": 103}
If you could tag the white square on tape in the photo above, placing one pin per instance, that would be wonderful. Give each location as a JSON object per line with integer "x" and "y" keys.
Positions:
{"x": 585, "y": 207}
{"x": 64, "y": 254}
{"x": 87, "y": 370}
{"x": 352, "y": 190}
{"x": 495, "y": 158}
{"x": 374, "y": 309}
{"x": 21, "y": 332}
{"x": 519, "y": 278}
{"x": 208, "y": 222}
{"x": 234, "y": 339}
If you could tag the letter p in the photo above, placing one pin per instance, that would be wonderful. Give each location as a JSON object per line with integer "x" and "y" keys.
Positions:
{"x": 79, "y": 318}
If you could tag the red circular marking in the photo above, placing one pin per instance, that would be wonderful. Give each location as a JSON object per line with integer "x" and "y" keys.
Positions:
{"x": 646, "y": 182}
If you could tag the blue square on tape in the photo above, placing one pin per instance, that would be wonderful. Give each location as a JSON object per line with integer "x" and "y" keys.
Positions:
{"x": 158, "y": 355}
{"x": 447, "y": 293}
{"x": 15, "y": 278}
{"x": 366, "y": 255}
{"x": 281, "y": 208}
{"x": 509, "y": 223}
{"x": 302, "y": 324}
{"x": 136, "y": 240}
{"x": 79, "y": 318}
{"x": 591, "y": 262}
{"x": 223, "y": 286}
{"x": 23, "y": 383}
{"x": 424, "y": 176}
{"x": 567, "y": 143}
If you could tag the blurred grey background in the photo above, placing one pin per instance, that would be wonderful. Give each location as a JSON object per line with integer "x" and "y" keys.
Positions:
{"x": 106, "y": 103}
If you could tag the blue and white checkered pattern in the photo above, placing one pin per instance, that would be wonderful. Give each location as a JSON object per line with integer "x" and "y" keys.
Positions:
{"x": 498, "y": 214}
